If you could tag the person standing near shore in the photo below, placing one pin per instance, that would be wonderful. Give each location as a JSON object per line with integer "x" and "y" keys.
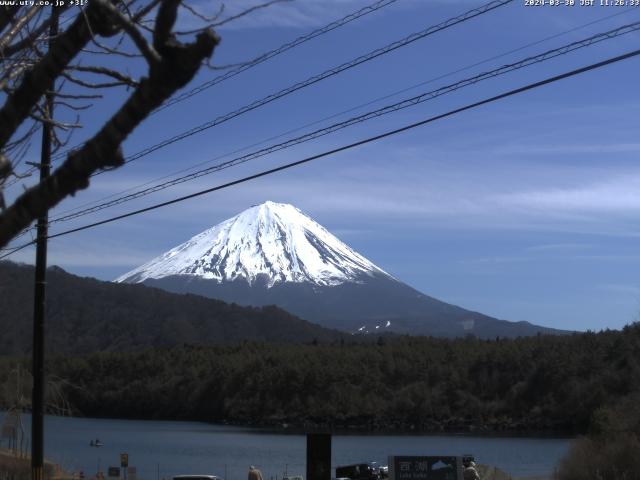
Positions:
{"x": 470, "y": 472}
{"x": 254, "y": 473}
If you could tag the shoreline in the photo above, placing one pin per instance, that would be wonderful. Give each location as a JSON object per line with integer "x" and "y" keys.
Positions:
{"x": 285, "y": 427}
{"x": 381, "y": 429}
{"x": 19, "y": 465}
{"x": 125, "y": 435}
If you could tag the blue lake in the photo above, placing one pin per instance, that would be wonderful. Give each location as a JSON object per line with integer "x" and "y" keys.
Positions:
{"x": 161, "y": 449}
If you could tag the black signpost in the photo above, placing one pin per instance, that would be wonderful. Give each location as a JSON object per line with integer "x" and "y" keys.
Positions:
{"x": 425, "y": 468}
{"x": 318, "y": 456}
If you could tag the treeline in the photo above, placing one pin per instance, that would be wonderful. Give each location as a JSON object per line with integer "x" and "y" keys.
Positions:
{"x": 610, "y": 451}
{"x": 544, "y": 383}
{"x": 85, "y": 315}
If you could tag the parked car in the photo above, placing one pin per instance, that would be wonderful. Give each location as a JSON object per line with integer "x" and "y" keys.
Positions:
{"x": 197, "y": 477}
{"x": 359, "y": 471}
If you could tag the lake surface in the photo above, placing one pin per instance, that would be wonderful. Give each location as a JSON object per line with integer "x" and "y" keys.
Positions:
{"x": 161, "y": 449}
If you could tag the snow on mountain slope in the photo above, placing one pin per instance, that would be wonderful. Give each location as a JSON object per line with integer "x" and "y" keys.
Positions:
{"x": 273, "y": 241}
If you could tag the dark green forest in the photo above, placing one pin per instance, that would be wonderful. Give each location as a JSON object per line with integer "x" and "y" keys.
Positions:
{"x": 543, "y": 383}
{"x": 85, "y": 315}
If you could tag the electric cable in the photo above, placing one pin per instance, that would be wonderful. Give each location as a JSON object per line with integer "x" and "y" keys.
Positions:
{"x": 389, "y": 133}
{"x": 470, "y": 14}
{"x": 312, "y": 80}
{"x": 261, "y": 59}
{"x": 357, "y": 107}
{"x": 277, "y": 51}
{"x": 415, "y": 100}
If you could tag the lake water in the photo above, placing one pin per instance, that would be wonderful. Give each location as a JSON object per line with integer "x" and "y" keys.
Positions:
{"x": 160, "y": 449}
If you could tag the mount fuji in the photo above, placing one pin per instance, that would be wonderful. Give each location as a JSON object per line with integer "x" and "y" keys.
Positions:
{"x": 273, "y": 254}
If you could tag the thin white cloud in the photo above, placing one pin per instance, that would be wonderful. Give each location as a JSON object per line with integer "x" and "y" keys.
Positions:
{"x": 370, "y": 189}
{"x": 624, "y": 289}
{"x": 418, "y": 192}
{"x": 606, "y": 258}
{"x": 70, "y": 255}
{"x": 615, "y": 195}
{"x": 498, "y": 260}
{"x": 559, "y": 247}
{"x": 568, "y": 149}
{"x": 304, "y": 13}
{"x": 284, "y": 14}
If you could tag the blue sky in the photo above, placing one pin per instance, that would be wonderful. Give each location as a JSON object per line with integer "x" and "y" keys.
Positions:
{"x": 527, "y": 209}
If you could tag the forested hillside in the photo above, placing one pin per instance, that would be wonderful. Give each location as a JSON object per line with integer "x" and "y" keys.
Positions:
{"x": 86, "y": 315}
{"x": 543, "y": 383}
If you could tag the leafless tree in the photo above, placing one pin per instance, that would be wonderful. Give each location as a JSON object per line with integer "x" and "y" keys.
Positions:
{"x": 15, "y": 395}
{"x": 73, "y": 70}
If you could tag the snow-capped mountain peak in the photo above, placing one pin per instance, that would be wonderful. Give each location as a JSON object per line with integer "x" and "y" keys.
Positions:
{"x": 275, "y": 242}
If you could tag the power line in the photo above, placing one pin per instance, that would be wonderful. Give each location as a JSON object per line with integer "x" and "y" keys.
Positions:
{"x": 255, "y": 144}
{"x": 470, "y": 14}
{"x": 16, "y": 249}
{"x": 277, "y": 51}
{"x": 510, "y": 93}
{"x": 492, "y": 5}
{"x": 257, "y": 61}
{"x": 421, "y": 98}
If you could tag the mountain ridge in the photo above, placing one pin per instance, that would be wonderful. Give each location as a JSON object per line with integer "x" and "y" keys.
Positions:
{"x": 274, "y": 254}
{"x": 85, "y": 315}
{"x": 271, "y": 239}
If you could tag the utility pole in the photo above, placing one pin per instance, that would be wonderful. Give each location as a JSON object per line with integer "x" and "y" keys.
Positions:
{"x": 37, "y": 402}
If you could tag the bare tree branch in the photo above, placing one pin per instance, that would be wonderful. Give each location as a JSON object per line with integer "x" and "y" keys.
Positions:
{"x": 203, "y": 17}
{"x": 107, "y": 72}
{"x": 60, "y": 103}
{"x": 19, "y": 25}
{"x": 54, "y": 123}
{"x": 26, "y": 41}
{"x": 7, "y": 12}
{"x": 96, "y": 86}
{"x": 13, "y": 144}
{"x": 166, "y": 18}
{"x": 5, "y": 167}
{"x": 110, "y": 51}
{"x": 70, "y": 96}
{"x": 246, "y": 12}
{"x": 139, "y": 15}
{"x": 21, "y": 151}
{"x": 37, "y": 80}
{"x": 178, "y": 64}
{"x": 128, "y": 26}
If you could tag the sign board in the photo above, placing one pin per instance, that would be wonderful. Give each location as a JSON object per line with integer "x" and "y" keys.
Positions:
{"x": 114, "y": 472}
{"x": 425, "y": 468}
{"x": 131, "y": 473}
{"x": 124, "y": 460}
